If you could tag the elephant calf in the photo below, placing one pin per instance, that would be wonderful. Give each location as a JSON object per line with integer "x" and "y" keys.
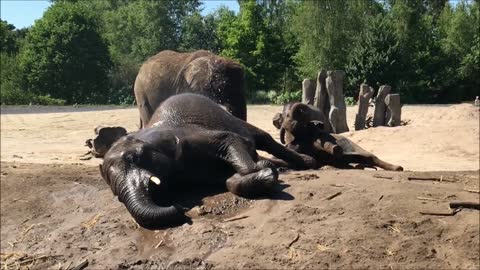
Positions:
{"x": 302, "y": 127}
{"x": 191, "y": 139}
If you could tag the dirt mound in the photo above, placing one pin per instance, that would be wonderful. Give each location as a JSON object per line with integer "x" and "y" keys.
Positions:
{"x": 57, "y": 215}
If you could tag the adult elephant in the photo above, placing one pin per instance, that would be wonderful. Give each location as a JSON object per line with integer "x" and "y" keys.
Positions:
{"x": 190, "y": 139}
{"x": 169, "y": 73}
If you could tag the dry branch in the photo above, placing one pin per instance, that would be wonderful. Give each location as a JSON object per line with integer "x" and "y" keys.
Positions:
{"x": 235, "y": 218}
{"x": 470, "y": 205}
{"x": 81, "y": 266}
{"x": 382, "y": 176}
{"x": 452, "y": 213}
{"x": 294, "y": 240}
{"x": 472, "y": 190}
{"x": 441, "y": 179}
{"x": 428, "y": 199}
{"x": 333, "y": 196}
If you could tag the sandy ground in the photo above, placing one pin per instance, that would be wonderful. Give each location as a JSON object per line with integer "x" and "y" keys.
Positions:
{"x": 56, "y": 211}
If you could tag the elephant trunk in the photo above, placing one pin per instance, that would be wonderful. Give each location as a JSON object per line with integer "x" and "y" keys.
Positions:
{"x": 282, "y": 135}
{"x": 134, "y": 193}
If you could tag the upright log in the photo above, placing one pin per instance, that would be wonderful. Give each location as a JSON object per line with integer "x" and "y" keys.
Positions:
{"x": 308, "y": 91}
{"x": 338, "y": 109}
{"x": 380, "y": 108}
{"x": 321, "y": 100}
{"x": 366, "y": 92}
{"x": 394, "y": 110}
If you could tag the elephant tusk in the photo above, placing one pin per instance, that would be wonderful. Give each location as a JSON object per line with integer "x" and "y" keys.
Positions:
{"x": 155, "y": 180}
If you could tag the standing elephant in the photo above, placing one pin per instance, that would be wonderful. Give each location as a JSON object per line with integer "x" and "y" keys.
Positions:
{"x": 169, "y": 73}
{"x": 191, "y": 139}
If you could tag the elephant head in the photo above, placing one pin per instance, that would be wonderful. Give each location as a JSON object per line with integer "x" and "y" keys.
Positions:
{"x": 298, "y": 119}
{"x": 136, "y": 171}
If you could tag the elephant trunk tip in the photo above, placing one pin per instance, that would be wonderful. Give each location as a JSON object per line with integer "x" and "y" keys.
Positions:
{"x": 150, "y": 215}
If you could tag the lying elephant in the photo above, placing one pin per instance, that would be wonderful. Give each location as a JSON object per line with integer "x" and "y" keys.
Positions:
{"x": 191, "y": 139}
{"x": 169, "y": 73}
{"x": 307, "y": 136}
{"x": 295, "y": 116}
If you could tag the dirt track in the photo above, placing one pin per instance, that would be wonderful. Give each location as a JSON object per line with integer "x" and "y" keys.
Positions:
{"x": 56, "y": 206}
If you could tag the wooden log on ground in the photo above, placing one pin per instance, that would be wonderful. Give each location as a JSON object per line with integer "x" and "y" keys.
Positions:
{"x": 394, "y": 110}
{"x": 308, "y": 91}
{"x": 321, "y": 100}
{"x": 380, "y": 107}
{"x": 338, "y": 109}
{"x": 366, "y": 92}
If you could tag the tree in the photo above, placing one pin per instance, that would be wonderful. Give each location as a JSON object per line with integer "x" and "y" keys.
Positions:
{"x": 199, "y": 33}
{"x": 374, "y": 57}
{"x": 142, "y": 28}
{"x": 65, "y": 56}
{"x": 8, "y": 42}
{"x": 325, "y": 33}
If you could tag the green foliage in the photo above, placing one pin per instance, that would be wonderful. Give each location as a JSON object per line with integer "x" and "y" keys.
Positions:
{"x": 199, "y": 33}
{"x": 375, "y": 58}
{"x": 85, "y": 51}
{"x": 289, "y": 96}
{"x": 11, "y": 92}
{"x": 7, "y": 38}
{"x": 350, "y": 101}
{"x": 257, "y": 45}
{"x": 142, "y": 28}
{"x": 65, "y": 56}
{"x": 326, "y": 31}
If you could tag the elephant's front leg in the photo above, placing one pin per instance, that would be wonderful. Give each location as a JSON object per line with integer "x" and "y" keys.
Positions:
{"x": 253, "y": 177}
{"x": 266, "y": 143}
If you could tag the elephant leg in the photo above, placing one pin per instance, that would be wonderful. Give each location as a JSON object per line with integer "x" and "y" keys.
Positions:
{"x": 385, "y": 165}
{"x": 255, "y": 183}
{"x": 239, "y": 110}
{"x": 146, "y": 113}
{"x": 373, "y": 161}
{"x": 253, "y": 178}
{"x": 265, "y": 142}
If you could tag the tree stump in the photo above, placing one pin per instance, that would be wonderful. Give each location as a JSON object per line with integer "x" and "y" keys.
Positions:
{"x": 321, "y": 100}
{"x": 308, "y": 91}
{"x": 366, "y": 92}
{"x": 380, "y": 107}
{"x": 104, "y": 138}
{"x": 338, "y": 109}
{"x": 394, "y": 110}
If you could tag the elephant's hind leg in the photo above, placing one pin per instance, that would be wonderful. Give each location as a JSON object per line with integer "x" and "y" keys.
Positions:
{"x": 385, "y": 165}
{"x": 256, "y": 183}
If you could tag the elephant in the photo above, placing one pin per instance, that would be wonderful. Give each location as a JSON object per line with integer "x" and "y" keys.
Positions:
{"x": 308, "y": 137}
{"x": 191, "y": 139}
{"x": 169, "y": 73}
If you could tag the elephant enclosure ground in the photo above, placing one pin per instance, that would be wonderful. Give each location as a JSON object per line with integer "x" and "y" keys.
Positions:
{"x": 57, "y": 212}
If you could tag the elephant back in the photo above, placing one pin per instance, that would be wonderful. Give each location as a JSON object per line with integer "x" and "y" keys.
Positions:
{"x": 194, "y": 110}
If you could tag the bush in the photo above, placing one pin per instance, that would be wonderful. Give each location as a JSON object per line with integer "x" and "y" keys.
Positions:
{"x": 350, "y": 101}
{"x": 19, "y": 97}
{"x": 262, "y": 97}
{"x": 286, "y": 97}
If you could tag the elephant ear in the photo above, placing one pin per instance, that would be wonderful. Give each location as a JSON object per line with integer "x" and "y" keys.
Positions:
{"x": 277, "y": 120}
{"x": 197, "y": 74}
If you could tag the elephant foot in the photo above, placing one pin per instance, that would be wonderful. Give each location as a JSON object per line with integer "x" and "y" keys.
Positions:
{"x": 256, "y": 183}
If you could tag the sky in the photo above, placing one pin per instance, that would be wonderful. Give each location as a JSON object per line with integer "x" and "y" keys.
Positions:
{"x": 24, "y": 13}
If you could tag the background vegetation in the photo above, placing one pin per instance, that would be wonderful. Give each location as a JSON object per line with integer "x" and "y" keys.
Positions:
{"x": 85, "y": 51}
